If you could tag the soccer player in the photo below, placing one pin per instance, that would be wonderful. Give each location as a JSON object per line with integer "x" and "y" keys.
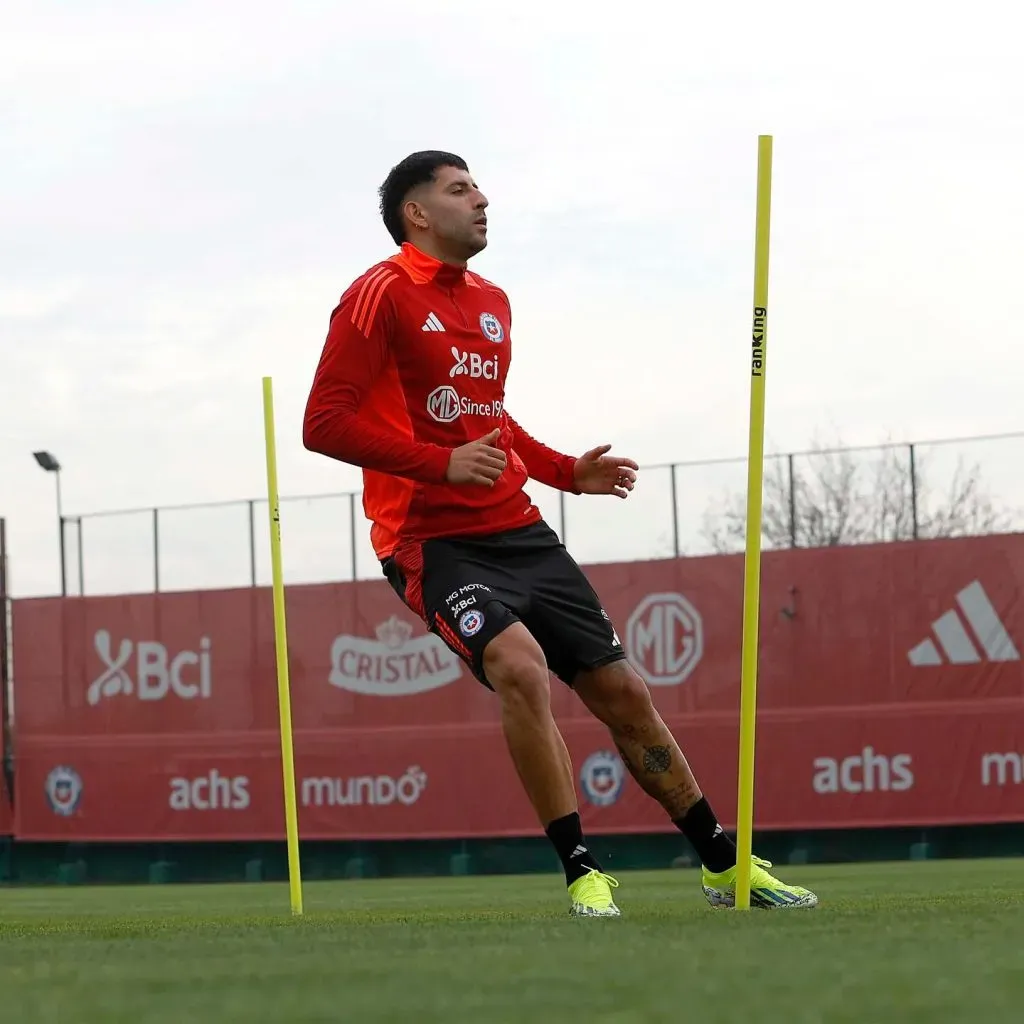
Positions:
{"x": 410, "y": 387}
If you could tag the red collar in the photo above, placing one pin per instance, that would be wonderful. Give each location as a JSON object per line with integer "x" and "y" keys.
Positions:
{"x": 424, "y": 268}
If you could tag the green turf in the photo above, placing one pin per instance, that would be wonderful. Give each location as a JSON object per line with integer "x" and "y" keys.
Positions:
{"x": 933, "y": 941}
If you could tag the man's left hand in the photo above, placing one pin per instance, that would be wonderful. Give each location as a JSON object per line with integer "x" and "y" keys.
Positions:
{"x": 597, "y": 472}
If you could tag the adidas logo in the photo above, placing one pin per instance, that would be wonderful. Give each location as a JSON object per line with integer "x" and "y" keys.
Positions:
{"x": 578, "y": 852}
{"x": 956, "y": 643}
{"x": 432, "y": 324}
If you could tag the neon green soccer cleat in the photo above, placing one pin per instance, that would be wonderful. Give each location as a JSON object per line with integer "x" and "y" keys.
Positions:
{"x": 766, "y": 891}
{"x": 592, "y": 895}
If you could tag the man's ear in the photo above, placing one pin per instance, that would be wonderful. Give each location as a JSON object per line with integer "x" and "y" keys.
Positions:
{"x": 415, "y": 213}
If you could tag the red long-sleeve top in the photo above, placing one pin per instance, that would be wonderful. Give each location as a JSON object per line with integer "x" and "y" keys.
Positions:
{"x": 414, "y": 365}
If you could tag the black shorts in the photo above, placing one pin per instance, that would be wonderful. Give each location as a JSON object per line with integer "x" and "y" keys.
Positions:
{"x": 469, "y": 589}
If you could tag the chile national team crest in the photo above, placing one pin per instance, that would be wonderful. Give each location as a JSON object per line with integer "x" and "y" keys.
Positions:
{"x": 491, "y": 327}
{"x": 63, "y": 790}
{"x": 602, "y": 777}
{"x": 471, "y": 622}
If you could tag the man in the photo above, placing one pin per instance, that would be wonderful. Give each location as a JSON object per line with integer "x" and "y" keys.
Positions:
{"x": 410, "y": 387}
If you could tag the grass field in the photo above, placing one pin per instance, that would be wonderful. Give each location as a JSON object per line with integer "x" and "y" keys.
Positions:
{"x": 934, "y": 941}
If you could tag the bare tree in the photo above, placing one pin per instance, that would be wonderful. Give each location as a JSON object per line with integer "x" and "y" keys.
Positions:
{"x": 836, "y": 495}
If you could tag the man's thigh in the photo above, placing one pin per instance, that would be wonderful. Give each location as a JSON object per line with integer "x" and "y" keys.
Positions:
{"x": 565, "y": 614}
{"x": 463, "y": 591}
{"x": 469, "y": 590}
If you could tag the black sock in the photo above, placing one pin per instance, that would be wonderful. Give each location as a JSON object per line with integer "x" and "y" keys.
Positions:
{"x": 566, "y": 835}
{"x": 716, "y": 850}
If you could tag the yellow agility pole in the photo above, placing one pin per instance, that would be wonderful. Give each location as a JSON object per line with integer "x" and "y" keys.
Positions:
{"x": 291, "y": 816}
{"x": 752, "y": 562}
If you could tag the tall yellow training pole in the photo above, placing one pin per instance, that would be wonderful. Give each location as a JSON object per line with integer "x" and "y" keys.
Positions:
{"x": 752, "y": 563}
{"x": 291, "y": 816}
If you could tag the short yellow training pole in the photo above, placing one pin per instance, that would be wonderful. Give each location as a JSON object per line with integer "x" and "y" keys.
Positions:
{"x": 752, "y": 562}
{"x": 281, "y": 646}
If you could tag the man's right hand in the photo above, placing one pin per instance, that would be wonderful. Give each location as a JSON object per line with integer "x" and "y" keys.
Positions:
{"x": 478, "y": 462}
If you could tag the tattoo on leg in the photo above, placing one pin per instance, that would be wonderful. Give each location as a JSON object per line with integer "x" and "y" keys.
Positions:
{"x": 665, "y": 777}
{"x": 680, "y": 799}
{"x": 652, "y": 757}
{"x": 637, "y": 733}
{"x": 657, "y": 759}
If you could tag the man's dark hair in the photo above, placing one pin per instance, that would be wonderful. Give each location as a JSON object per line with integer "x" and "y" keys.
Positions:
{"x": 415, "y": 169}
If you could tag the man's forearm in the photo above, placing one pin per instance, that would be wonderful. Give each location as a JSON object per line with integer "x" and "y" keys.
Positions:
{"x": 343, "y": 436}
{"x": 544, "y": 464}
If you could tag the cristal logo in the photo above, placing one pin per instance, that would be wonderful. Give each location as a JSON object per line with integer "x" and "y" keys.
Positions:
{"x": 472, "y": 364}
{"x": 156, "y": 673}
{"x": 396, "y": 664}
{"x": 212, "y": 792}
{"x": 665, "y": 638}
{"x": 375, "y": 790}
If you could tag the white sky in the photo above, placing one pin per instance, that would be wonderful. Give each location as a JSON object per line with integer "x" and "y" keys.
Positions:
{"x": 186, "y": 188}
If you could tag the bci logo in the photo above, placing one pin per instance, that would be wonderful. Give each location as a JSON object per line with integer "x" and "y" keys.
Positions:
{"x": 472, "y": 364}
{"x": 665, "y": 638}
{"x": 150, "y": 671}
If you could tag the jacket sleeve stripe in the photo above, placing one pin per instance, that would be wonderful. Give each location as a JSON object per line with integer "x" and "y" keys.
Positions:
{"x": 369, "y": 299}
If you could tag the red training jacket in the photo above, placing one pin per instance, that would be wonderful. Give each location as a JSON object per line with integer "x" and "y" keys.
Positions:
{"x": 414, "y": 365}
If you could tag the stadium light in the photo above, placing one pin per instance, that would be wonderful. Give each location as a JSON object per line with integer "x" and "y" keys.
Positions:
{"x": 48, "y": 461}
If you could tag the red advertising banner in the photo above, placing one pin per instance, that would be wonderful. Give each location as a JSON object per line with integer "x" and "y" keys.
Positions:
{"x": 890, "y": 691}
{"x": 909, "y": 767}
{"x": 6, "y": 813}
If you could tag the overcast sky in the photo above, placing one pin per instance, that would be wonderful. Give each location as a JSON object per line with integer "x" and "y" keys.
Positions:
{"x": 187, "y": 187}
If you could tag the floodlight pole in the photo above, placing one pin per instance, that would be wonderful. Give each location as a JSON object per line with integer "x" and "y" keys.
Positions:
{"x": 48, "y": 462}
{"x": 60, "y": 530}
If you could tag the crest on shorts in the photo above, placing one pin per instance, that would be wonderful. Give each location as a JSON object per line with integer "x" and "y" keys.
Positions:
{"x": 491, "y": 327}
{"x": 602, "y": 777}
{"x": 471, "y": 622}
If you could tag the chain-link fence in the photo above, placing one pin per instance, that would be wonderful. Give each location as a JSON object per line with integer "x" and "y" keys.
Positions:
{"x": 905, "y": 491}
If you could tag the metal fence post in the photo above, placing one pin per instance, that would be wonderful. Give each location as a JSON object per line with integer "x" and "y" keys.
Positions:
{"x": 63, "y": 556}
{"x": 81, "y": 560}
{"x": 352, "y": 531}
{"x": 5, "y": 665}
{"x": 252, "y": 542}
{"x": 913, "y": 491}
{"x": 675, "y": 512}
{"x": 792, "y": 502}
{"x": 156, "y": 550}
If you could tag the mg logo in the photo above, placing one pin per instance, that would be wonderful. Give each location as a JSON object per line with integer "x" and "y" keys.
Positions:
{"x": 665, "y": 638}
{"x": 443, "y": 404}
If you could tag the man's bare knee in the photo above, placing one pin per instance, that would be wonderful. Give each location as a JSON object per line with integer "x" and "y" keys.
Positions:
{"x": 515, "y": 666}
{"x": 615, "y": 694}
